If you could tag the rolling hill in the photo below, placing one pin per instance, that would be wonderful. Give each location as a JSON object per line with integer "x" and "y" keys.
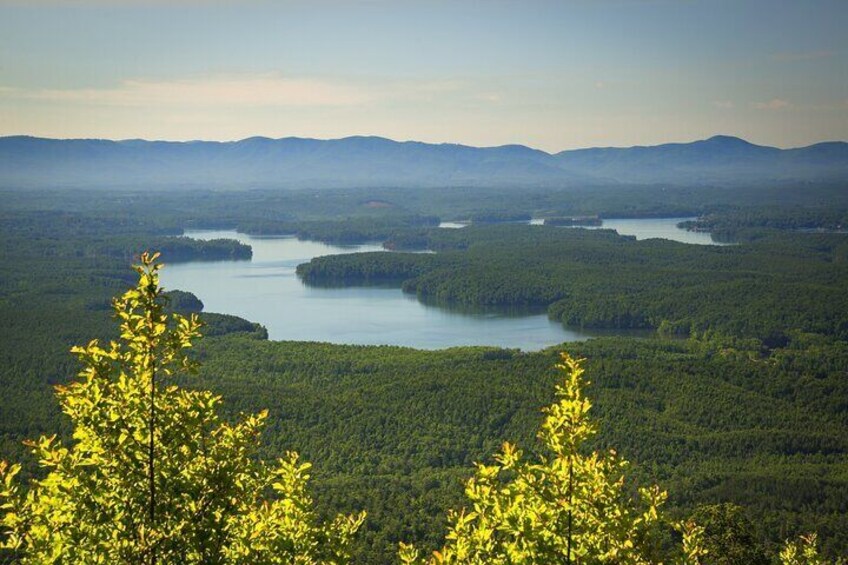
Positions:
{"x": 291, "y": 162}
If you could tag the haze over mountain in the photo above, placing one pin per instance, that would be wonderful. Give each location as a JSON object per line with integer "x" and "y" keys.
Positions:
{"x": 374, "y": 161}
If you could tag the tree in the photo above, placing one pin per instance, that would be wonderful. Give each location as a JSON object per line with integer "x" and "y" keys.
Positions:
{"x": 565, "y": 506}
{"x": 153, "y": 474}
{"x": 803, "y": 551}
{"x": 729, "y": 537}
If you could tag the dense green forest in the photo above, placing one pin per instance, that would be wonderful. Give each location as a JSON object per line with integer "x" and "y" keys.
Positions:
{"x": 392, "y": 428}
{"x": 274, "y": 211}
{"x": 750, "y": 408}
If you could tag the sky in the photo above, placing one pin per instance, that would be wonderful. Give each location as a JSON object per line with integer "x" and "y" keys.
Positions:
{"x": 553, "y": 75}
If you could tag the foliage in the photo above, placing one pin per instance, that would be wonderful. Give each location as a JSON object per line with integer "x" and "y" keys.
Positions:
{"x": 154, "y": 474}
{"x": 803, "y": 551}
{"x": 565, "y": 507}
{"x": 728, "y": 536}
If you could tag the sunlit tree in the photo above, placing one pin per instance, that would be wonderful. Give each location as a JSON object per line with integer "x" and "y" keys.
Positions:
{"x": 803, "y": 551}
{"x": 565, "y": 506}
{"x": 153, "y": 474}
{"x": 572, "y": 506}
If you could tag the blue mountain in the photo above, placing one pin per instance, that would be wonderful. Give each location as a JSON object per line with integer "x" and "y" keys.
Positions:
{"x": 293, "y": 162}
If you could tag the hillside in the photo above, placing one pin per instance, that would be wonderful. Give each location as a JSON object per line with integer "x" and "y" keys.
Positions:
{"x": 291, "y": 162}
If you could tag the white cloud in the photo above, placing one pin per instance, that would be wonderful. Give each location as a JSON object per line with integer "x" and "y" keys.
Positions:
{"x": 268, "y": 89}
{"x": 773, "y": 104}
{"x": 262, "y": 90}
{"x": 492, "y": 97}
{"x": 724, "y": 104}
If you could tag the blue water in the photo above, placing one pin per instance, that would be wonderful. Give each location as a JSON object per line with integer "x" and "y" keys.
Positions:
{"x": 642, "y": 228}
{"x": 659, "y": 228}
{"x": 267, "y": 290}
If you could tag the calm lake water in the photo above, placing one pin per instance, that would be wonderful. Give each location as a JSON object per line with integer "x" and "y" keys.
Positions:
{"x": 267, "y": 290}
{"x": 642, "y": 228}
{"x": 661, "y": 228}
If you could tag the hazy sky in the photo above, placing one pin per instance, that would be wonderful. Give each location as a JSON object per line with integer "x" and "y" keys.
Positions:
{"x": 553, "y": 75}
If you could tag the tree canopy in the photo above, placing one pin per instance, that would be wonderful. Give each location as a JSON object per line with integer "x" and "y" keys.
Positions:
{"x": 154, "y": 475}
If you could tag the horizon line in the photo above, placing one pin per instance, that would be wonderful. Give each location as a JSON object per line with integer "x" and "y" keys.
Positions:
{"x": 414, "y": 141}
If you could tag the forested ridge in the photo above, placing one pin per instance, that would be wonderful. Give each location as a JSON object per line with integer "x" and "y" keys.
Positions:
{"x": 750, "y": 408}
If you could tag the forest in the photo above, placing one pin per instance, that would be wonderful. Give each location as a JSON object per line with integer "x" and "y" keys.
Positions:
{"x": 739, "y": 395}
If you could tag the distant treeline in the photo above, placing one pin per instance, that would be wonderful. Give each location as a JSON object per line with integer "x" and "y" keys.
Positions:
{"x": 751, "y": 224}
{"x": 370, "y": 214}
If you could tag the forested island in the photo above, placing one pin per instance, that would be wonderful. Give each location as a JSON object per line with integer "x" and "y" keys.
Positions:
{"x": 598, "y": 279}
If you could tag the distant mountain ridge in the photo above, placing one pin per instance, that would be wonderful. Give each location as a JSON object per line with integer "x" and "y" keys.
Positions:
{"x": 294, "y": 162}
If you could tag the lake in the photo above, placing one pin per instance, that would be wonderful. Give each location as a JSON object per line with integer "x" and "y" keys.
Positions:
{"x": 641, "y": 228}
{"x": 267, "y": 290}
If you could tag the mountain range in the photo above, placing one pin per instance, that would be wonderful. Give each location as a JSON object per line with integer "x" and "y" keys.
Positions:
{"x": 292, "y": 162}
